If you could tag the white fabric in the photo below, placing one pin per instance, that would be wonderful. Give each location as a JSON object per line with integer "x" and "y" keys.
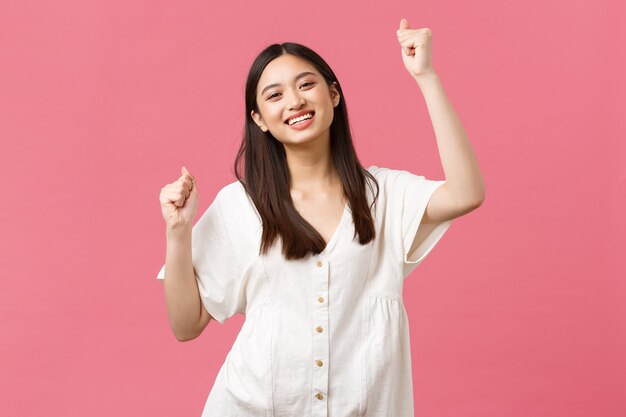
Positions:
{"x": 272, "y": 368}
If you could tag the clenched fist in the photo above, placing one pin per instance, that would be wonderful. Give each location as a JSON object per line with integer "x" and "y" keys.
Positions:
{"x": 179, "y": 201}
{"x": 416, "y": 45}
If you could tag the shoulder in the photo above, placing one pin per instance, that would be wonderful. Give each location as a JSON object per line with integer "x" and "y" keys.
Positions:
{"x": 229, "y": 190}
{"x": 393, "y": 180}
{"x": 238, "y": 210}
{"x": 384, "y": 173}
{"x": 232, "y": 198}
{"x": 375, "y": 170}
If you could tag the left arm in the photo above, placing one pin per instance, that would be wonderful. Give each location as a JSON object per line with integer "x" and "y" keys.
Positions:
{"x": 464, "y": 189}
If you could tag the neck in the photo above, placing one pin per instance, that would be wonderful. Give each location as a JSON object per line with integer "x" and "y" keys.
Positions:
{"x": 311, "y": 166}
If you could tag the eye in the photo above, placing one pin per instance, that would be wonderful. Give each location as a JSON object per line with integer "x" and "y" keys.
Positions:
{"x": 301, "y": 85}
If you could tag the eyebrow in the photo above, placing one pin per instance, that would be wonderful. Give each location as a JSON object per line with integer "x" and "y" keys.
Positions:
{"x": 302, "y": 74}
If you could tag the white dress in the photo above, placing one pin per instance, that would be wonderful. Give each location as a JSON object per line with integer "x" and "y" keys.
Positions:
{"x": 327, "y": 335}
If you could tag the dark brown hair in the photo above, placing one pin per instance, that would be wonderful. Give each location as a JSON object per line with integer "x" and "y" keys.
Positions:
{"x": 267, "y": 178}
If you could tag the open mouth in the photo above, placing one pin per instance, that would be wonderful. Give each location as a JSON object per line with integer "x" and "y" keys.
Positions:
{"x": 302, "y": 121}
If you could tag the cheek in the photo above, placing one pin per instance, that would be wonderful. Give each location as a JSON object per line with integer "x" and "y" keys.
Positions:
{"x": 271, "y": 115}
{"x": 274, "y": 113}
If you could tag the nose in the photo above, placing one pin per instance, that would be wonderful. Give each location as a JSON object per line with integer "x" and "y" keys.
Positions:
{"x": 297, "y": 101}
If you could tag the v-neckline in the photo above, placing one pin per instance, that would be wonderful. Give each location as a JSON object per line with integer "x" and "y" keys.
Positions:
{"x": 334, "y": 236}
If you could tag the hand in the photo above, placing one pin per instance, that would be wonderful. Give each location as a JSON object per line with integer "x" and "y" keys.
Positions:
{"x": 416, "y": 49}
{"x": 179, "y": 201}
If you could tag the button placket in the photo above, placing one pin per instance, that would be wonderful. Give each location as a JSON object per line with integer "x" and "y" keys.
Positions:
{"x": 320, "y": 337}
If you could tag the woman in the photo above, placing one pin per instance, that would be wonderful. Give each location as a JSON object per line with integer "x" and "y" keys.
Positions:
{"x": 312, "y": 247}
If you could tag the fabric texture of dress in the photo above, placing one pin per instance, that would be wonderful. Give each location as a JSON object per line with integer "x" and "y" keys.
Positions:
{"x": 324, "y": 336}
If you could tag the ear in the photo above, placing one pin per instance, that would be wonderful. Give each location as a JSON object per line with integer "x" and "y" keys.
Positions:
{"x": 334, "y": 94}
{"x": 258, "y": 120}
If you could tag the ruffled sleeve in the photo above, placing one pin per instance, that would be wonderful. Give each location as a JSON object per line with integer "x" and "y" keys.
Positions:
{"x": 219, "y": 277}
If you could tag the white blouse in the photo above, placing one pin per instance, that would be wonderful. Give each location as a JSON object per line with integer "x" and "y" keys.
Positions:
{"x": 327, "y": 335}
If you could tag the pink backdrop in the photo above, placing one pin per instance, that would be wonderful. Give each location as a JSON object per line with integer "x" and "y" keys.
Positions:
{"x": 519, "y": 311}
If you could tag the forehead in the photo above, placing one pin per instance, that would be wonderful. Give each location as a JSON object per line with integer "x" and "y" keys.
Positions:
{"x": 283, "y": 69}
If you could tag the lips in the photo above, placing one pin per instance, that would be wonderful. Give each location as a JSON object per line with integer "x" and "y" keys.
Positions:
{"x": 298, "y": 115}
{"x": 302, "y": 124}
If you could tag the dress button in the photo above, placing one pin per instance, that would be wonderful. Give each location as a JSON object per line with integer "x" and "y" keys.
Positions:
{"x": 319, "y": 396}
{"x": 320, "y": 263}
{"x": 321, "y": 299}
{"x": 319, "y": 363}
{"x": 319, "y": 329}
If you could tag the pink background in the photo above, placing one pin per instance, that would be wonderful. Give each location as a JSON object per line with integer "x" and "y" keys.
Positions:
{"x": 519, "y": 311}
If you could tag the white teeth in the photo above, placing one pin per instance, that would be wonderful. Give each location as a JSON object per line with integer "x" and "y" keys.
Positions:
{"x": 298, "y": 119}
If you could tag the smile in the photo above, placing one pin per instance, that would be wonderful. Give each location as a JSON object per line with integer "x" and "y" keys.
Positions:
{"x": 302, "y": 122}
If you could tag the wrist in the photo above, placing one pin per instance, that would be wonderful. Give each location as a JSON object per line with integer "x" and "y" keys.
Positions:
{"x": 426, "y": 77}
{"x": 177, "y": 234}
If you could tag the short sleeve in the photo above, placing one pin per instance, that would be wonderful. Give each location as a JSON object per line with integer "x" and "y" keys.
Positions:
{"x": 406, "y": 197}
{"x": 215, "y": 266}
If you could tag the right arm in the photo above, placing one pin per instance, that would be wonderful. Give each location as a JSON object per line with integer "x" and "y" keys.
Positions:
{"x": 187, "y": 315}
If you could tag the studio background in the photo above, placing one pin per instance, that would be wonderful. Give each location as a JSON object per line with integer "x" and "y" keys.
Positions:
{"x": 519, "y": 311}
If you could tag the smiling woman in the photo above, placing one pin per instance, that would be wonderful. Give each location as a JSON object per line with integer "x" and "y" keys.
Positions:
{"x": 296, "y": 111}
{"x": 312, "y": 247}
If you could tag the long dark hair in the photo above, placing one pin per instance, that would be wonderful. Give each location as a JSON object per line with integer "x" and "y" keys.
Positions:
{"x": 267, "y": 177}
